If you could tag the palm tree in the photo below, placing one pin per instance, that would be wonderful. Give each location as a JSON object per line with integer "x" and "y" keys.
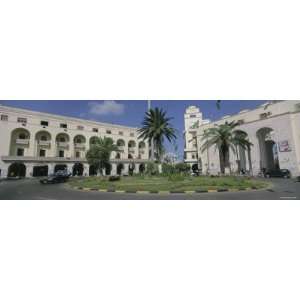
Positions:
{"x": 225, "y": 137}
{"x": 241, "y": 139}
{"x": 99, "y": 153}
{"x": 156, "y": 128}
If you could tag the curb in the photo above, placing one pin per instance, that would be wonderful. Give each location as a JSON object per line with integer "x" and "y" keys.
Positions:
{"x": 112, "y": 190}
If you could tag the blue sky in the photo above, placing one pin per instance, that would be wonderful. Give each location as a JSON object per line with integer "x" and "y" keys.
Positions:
{"x": 131, "y": 113}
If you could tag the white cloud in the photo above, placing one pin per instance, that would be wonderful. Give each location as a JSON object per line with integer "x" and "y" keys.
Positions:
{"x": 106, "y": 107}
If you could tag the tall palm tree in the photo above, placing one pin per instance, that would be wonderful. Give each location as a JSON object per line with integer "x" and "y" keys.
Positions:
{"x": 224, "y": 137}
{"x": 241, "y": 140}
{"x": 99, "y": 153}
{"x": 156, "y": 128}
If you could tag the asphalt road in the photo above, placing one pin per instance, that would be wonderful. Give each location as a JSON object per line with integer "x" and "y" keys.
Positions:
{"x": 32, "y": 189}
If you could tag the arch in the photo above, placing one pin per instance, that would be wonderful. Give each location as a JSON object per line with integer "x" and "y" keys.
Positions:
{"x": 131, "y": 144}
{"x": 268, "y": 149}
{"x": 19, "y": 137}
{"x": 79, "y": 139}
{"x": 40, "y": 171}
{"x": 62, "y": 137}
{"x": 118, "y": 155}
{"x": 242, "y": 165}
{"x": 120, "y": 142}
{"x": 93, "y": 140}
{"x": 130, "y": 156}
{"x": 142, "y": 145}
{"x": 22, "y": 136}
{"x": 120, "y": 168}
{"x": 16, "y": 170}
{"x": 131, "y": 168}
{"x": 77, "y": 169}
{"x": 108, "y": 168}
{"x": 60, "y": 167}
{"x": 142, "y": 168}
{"x": 42, "y": 142}
{"x": 92, "y": 170}
{"x": 195, "y": 168}
{"x": 43, "y": 135}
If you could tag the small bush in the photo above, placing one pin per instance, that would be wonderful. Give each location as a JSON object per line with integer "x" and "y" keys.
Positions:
{"x": 114, "y": 178}
{"x": 182, "y": 168}
{"x": 152, "y": 168}
{"x": 168, "y": 169}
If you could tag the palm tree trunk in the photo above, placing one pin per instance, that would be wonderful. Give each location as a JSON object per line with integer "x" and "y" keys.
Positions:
{"x": 152, "y": 150}
{"x": 238, "y": 161}
{"x": 222, "y": 162}
{"x": 250, "y": 161}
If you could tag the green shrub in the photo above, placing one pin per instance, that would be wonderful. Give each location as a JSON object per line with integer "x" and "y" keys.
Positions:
{"x": 168, "y": 169}
{"x": 152, "y": 168}
{"x": 182, "y": 168}
{"x": 114, "y": 178}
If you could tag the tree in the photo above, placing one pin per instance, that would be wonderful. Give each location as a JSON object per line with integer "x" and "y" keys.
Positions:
{"x": 155, "y": 128}
{"x": 241, "y": 139}
{"x": 99, "y": 153}
{"x": 225, "y": 137}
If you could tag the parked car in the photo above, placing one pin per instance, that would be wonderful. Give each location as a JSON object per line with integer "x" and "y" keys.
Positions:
{"x": 284, "y": 173}
{"x": 58, "y": 177}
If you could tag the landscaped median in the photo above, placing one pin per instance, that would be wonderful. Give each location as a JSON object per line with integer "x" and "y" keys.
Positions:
{"x": 168, "y": 184}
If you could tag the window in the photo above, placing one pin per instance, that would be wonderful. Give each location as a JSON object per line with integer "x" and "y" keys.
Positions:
{"x": 265, "y": 115}
{"x": 95, "y": 129}
{"x": 62, "y": 140}
{"x": 22, "y": 136}
{"x": 20, "y": 152}
{"x": 44, "y": 123}
{"x": 42, "y": 153}
{"x": 193, "y": 116}
{"x": 108, "y": 131}
{"x": 131, "y": 134}
{"x": 77, "y": 154}
{"x": 79, "y": 127}
{"x": 22, "y": 120}
{"x": 4, "y": 117}
{"x": 61, "y": 153}
{"x": 240, "y": 122}
{"x": 63, "y": 125}
{"x": 120, "y": 132}
{"x": 43, "y": 138}
{"x": 78, "y": 140}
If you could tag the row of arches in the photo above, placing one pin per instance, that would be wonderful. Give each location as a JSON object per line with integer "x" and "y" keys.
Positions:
{"x": 43, "y": 135}
{"x": 19, "y": 169}
{"x": 266, "y": 149}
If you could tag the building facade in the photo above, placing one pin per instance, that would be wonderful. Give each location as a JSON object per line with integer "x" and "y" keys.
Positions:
{"x": 274, "y": 131}
{"x": 38, "y": 144}
{"x": 192, "y": 121}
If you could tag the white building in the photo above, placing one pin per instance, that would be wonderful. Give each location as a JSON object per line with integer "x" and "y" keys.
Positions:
{"x": 37, "y": 144}
{"x": 192, "y": 121}
{"x": 273, "y": 129}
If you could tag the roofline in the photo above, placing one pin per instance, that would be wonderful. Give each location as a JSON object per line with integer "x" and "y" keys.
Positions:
{"x": 48, "y": 115}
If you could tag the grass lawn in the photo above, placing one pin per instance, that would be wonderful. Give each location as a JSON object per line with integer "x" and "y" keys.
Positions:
{"x": 162, "y": 183}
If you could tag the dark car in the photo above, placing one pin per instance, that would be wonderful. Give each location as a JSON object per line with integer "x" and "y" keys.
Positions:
{"x": 284, "y": 173}
{"x": 58, "y": 177}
